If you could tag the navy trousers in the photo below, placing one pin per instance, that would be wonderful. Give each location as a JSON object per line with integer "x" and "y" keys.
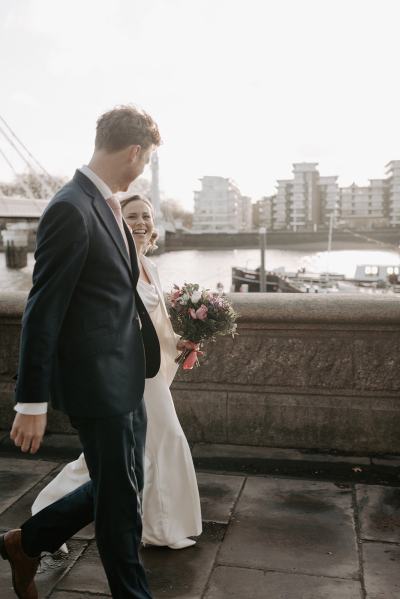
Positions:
{"x": 114, "y": 453}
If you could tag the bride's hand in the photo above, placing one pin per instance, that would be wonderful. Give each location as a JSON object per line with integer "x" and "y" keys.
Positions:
{"x": 181, "y": 345}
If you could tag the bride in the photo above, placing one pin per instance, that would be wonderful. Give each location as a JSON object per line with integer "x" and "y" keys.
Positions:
{"x": 171, "y": 503}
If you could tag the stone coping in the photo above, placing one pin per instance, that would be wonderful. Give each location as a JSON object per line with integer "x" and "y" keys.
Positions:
{"x": 12, "y": 305}
{"x": 319, "y": 371}
{"x": 280, "y": 308}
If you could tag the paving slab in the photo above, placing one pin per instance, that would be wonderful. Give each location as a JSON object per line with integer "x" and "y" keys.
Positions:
{"x": 20, "y": 511}
{"x": 237, "y": 583}
{"x": 381, "y": 570}
{"x": 292, "y": 525}
{"x": 17, "y": 476}
{"x": 218, "y": 495}
{"x": 183, "y": 573}
{"x": 50, "y": 572}
{"x": 87, "y": 575}
{"x": 379, "y": 512}
{"x": 171, "y": 574}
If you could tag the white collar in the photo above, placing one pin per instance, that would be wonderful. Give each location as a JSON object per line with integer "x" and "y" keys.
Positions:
{"x": 95, "y": 179}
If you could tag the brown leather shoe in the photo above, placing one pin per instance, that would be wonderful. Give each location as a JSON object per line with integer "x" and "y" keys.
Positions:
{"x": 23, "y": 567}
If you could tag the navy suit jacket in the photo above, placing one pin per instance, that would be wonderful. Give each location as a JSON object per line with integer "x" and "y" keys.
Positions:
{"x": 81, "y": 343}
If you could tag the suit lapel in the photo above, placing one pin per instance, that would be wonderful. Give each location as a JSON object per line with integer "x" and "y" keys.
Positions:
{"x": 111, "y": 225}
{"x": 108, "y": 219}
{"x": 133, "y": 252}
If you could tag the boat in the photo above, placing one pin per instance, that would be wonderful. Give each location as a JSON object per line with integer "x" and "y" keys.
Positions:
{"x": 245, "y": 279}
{"x": 378, "y": 278}
{"x": 377, "y": 274}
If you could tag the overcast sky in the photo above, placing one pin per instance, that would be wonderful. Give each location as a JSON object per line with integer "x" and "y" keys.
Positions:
{"x": 240, "y": 88}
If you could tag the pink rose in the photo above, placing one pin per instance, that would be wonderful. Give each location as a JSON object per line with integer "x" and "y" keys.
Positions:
{"x": 201, "y": 313}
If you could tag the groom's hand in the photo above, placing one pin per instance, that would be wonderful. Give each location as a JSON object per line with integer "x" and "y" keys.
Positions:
{"x": 27, "y": 431}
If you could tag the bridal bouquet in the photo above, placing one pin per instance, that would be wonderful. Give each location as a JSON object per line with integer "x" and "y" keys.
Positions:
{"x": 199, "y": 315}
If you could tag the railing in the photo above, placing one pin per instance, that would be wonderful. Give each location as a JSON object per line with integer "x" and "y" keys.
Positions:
{"x": 308, "y": 372}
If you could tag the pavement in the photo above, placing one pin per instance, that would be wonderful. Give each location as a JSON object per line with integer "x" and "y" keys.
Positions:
{"x": 265, "y": 536}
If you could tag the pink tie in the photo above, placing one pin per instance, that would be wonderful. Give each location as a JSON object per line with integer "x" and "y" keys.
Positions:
{"x": 116, "y": 208}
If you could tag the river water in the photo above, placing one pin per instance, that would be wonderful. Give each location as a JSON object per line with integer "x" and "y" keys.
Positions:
{"x": 211, "y": 267}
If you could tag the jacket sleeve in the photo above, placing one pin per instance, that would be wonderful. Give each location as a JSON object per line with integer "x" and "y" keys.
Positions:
{"x": 62, "y": 245}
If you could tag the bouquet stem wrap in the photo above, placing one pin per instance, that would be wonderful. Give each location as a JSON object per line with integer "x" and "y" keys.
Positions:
{"x": 189, "y": 356}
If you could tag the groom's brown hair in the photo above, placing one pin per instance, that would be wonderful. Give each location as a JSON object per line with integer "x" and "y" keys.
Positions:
{"x": 124, "y": 126}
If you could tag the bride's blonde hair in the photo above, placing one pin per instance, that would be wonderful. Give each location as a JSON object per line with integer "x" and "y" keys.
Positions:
{"x": 151, "y": 246}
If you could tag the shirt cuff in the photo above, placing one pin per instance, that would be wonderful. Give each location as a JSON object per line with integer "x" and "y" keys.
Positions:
{"x": 31, "y": 409}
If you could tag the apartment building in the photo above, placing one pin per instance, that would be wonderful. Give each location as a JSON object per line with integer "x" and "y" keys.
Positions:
{"x": 262, "y": 212}
{"x": 245, "y": 210}
{"x": 393, "y": 192}
{"x": 363, "y": 206}
{"x": 219, "y": 206}
{"x": 306, "y": 201}
{"x": 281, "y": 204}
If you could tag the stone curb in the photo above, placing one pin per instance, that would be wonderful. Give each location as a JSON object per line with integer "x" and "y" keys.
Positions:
{"x": 244, "y": 459}
{"x": 297, "y": 463}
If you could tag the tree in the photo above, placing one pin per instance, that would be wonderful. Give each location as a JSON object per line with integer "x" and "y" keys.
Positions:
{"x": 173, "y": 210}
{"x": 140, "y": 186}
{"x": 32, "y": 185}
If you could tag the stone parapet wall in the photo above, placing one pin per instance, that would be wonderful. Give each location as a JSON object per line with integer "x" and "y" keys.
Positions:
{"x": 318, "y": 372}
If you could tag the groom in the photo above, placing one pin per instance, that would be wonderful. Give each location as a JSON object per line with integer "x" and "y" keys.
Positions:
{"x": 87, "y": 343}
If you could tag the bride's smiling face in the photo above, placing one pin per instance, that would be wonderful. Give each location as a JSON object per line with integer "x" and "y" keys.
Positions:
{"x": 139, "y": 216}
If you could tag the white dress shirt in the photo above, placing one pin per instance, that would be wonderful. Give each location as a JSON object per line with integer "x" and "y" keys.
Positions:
{"x": 36, "y": 408}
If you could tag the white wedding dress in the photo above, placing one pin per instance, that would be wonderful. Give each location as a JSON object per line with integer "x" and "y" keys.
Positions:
{"x": 171, "y": 503}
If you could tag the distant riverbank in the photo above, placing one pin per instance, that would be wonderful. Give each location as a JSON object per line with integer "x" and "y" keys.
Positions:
{"x": 211, "y": 267}
{"x": 314, "y": 246}
{"x": 307, "y": 241}
{"x": 386, "y": 239}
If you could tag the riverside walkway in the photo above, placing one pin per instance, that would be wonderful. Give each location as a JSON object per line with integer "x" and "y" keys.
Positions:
{"x": 278, "y": 524}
